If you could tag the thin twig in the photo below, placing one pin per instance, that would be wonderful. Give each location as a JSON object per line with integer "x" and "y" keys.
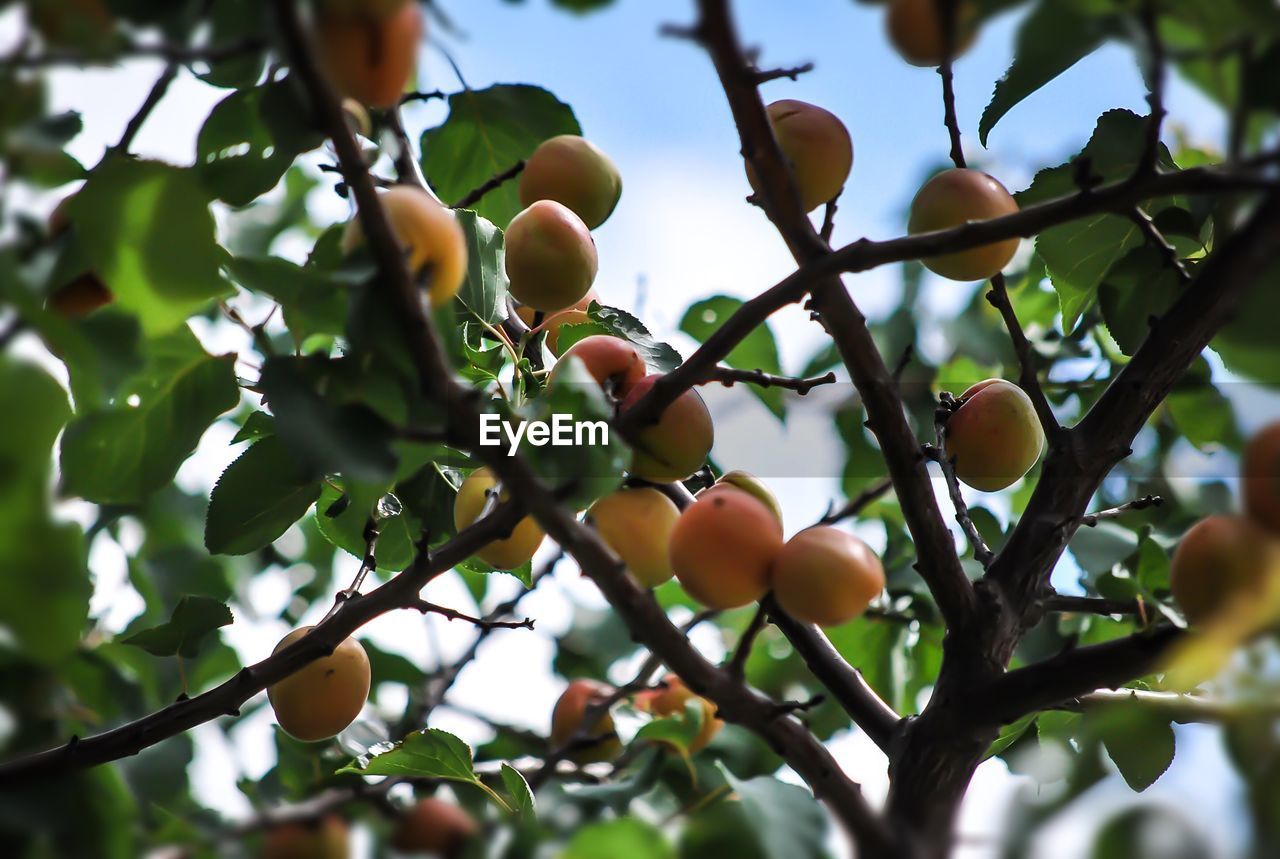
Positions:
{"x": 1153, "y": 235}
{"x": 856, "y": 504}
{"x": 937, "y": 453}
{"x": 737, "y": 664}
{"x": 153, "y": 98}
{"x": 180, "y": 54}
{"x": 794, "y": 72}
{"x": 483, "y": 623}
{"x": 729, "y": 376}
{"x": 1028, "y": 375}
{"x": 1155, "y": 96}
{"x": 948, "y": 10}
{"x": 1088, "y": 520}
{"x": 1093, "y": 605}
{"x": 476, "y": 194}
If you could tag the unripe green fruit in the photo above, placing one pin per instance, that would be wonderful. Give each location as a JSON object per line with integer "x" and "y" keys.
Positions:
{"x": 428, "y": 232}
{"x": 1260, "y": 467}
{"x": 636, "y": 524}
{"x": 676, "y": 445}
{"x": 672, "y": 699}
{"x": 723, "y": 546}
{"x": 612, "y": 362}
{"x": 955, "y": 197}
{"x": 325, "y": 839}
{"x": 574, "y": 172}
{"x": 567, "y": 719}
{"x": 817, "y": 147}
{"x": 826, "y": 576}
{"x": 551, "y": 257}
{"x": 754, "y": 485}
{"x": 1225, "y": 564}
{"x": 434, "y": 827}
{"x": 505, "y": 554}
{"x": 915, "y": 28}
{"x": 370, "y": 58}
{"x": 995, "y": 436}
{"x": 321, "y": 699}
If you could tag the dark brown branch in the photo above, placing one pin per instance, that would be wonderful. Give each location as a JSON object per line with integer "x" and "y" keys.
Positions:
{"x": 153, "y": 98}
{"x": 1088, "y": 520}
{"x": 1092, "y": 605}
{"x": 867, "y": 709}
{"x": 1028, "y": 375}
{"x": 483, "y": 623}
{"x": 227, "y": 698}
{"x": 475, "y": 195}
{"x": 793, "y": 73}
{"x": 180, "y": 54}
{"x": 937, "y": 453}
{"x": 829, "y": 219}
{"x": 1156, "y": 79}
{"x": 418, "y": 95}
{"x": 947, "y": 15}
{"x": 728, "y": 376}
{"x": 1072, "y": 674}
{"x": 1157, "y": 240}
{"x": 737, "y": 664}
{"x": 856, "y": 504}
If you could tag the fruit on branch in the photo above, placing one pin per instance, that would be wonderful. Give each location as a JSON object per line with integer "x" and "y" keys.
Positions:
{"x": 826, "y": 576}
{"x": 85, "y": 292}
{"x": 322, "y": 698}
{"x": 915, "y": 28}
{"x": 551, "y": 257}
{"x": 752, "y": 484}
{"x": 816, "y": 145}
{"x": 636, "y": 524}
{"x": 471, "y": 502}
{"x": 370, "y": 58}
{"x": 952, "y": 198}
{"x": 552, "y": 323}
{"x": 723, "y": 546}
{"x": 434, "y": 244}
{"x": 677, "y": 444}
{"x": 995, "y": 436}
{"x": 586, "y": 743}
{"x": 1260, "y": 468}
{"x": 434, "y": 827}
{"x": 672, "y": 700}
{"x": 575, "y": 173}
{"x": 84, "y": 24}
{"x": 316, "y": 839}
{"x": 1225, "y": 564}
{"x": 612, "y": 362}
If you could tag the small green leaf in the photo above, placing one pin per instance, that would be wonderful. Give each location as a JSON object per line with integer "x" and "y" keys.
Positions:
{"x": 193, "y": 619}
{"x": 521, "y": 797}
{"x": 659, "y": 356}
{"x": 612, "y": 839}
{"x": 257, "y": 498}
{"x": 1139, "y": 742}
{"x": 431, "y": 753}
{"x": 785, "y": 817}
{"x": 484, "y": 292}
{"x": 257, "y": 425}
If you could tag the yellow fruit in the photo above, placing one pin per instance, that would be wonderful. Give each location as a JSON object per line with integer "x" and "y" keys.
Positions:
{"x": 826, "y": 576}
{"x": 816, "y": 145}
{"x": 1222, "y": 564}
{"x": 370, "y": 58}
{"x": 325, "y": 839}
{"x": 574, "y": 172}
{"x": 505, "y": 554}
{"x": 995, "y": 436}
{"x": 551, "y": 257}
{"x": 636, "y": 524}
{"x": 672, "y": 699}
{"x": 567, "y": 719}
{"x": 915, "y": 28}
{"x": 435, "y": 245}
{"x": 722, "y": 548}
{"x": 676, "y": 445}
{"x": 953, "y": 198}
{"x": 1261, "y": 471}
{"x": 612, "y": 362}
{"x": 754, "y": 485}
{"x": 321, "y": 699}
{"x": 434, "y": 827}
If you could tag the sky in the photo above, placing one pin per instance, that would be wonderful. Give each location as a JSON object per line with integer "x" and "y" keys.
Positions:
{"x": 681, "y": 232}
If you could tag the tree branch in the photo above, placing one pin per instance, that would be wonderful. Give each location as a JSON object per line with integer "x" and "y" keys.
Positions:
{"x": 728, "y": 377}
{"x": 737, "y": 664}
{"x": 1091, "y": 605}
{"x": 180, "y": 54}
{"x": 856, "y": 504}
{"x": 1028, "y": 375}
{"x": 1183, "y": 709}
{"x": 476, "y": 194}
{"x": 485, "y": 624}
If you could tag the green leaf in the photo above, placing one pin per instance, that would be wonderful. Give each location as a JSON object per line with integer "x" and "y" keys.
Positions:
{"x": 484, "y": 292}
{"x": 1247, "y": 343}
{"x": 1055, "y": 36}
{"x": 659, "y": 356}
{"x": 1203, "y": 414}
{"x": 521, "y": 797}
{"x": 1010, "y": 734}
{"x": 756, "y": 351}
{"x": 1151, "y": 832}
{"x": 121, "y": 454}
{"x": 235, "y": 155}
{"x": 145, "y": 228}
{"x": 344, "y": 527}
{"x": 312, "y": 302}
{"x": 431, "y": 753}
{"x": 257, "y": 425}
{"x": 193, "y": 619}
{"x": 1137, "y": 289}
{"x": 785, "y": 817}
{"x": 626, "y": 836}
{"x": 1139, "y": 742}
{"x": 1077, "y": 255}
{"x": 257, "y": 498}
{"x": 487, "y": 132}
